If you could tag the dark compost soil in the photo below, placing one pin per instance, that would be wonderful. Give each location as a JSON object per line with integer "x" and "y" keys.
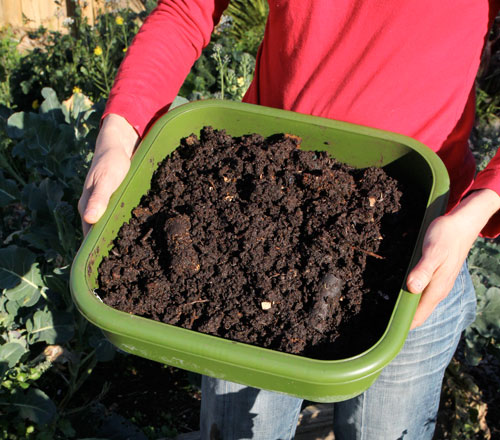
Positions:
{"x": 257, "y": 241}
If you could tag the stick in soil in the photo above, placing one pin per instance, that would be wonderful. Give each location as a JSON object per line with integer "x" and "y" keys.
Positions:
{"x": 184, "y": 256}
{"x": 371, "y": 254}
{"x": 325, "y": 301}
{"x": 196, "y": 302}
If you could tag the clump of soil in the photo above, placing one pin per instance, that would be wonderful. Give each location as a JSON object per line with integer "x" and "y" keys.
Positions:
{"x": 257, "y": 241}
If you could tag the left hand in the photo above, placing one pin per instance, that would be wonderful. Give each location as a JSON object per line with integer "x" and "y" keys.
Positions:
{"x": 446, "y": 245}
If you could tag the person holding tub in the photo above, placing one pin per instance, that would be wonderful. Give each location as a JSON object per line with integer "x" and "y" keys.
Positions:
{"x": 407, "y": 67}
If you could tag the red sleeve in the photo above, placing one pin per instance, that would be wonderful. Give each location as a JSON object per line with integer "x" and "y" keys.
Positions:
{"x": 160, "y": 57}
{"x": 490, "y": 178}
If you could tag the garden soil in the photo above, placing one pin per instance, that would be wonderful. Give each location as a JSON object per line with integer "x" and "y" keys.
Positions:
{"x": 255, "y": 240}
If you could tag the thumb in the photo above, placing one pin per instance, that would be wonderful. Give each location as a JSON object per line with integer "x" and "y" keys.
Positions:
{"x": 102, "y": 182}
{"x": 421, "y": 275}
{"x": 97, "y": 204}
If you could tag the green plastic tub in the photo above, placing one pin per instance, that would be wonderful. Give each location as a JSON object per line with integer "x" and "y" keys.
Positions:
{"x": 315, "y": 380}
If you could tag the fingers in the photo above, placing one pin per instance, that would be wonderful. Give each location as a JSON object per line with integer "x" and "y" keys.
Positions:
{"x": 443, "y": 254}
{"x": 421, "y": 275}
{"x": 427, "y": 277}
{"x": 435, "y": 272}
{"x": 97, "y": 202}
{"x": 102, "y": 181}
{"x": 115, "y": 145}
{"x": 446, "y": 245}
{"x": 93, "y": 204}
{"x": 435, "y": 291}
{"x": 434, "y": 254}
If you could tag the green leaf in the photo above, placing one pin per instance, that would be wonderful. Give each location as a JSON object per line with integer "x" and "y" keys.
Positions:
{"x": 39, "y": 134}
{"x": 57, "y": 284}
{"x": 20, "y": 275}
{"x": 9, "y": 191}
{"x": 35, "y": 405}
{"x": 11, "y": 352}
{"x": 11, "y": 308}
{"x": 50, "y": 103}
{"x": 44, "y": 140}
{"x": 474, "y": 346}
{"x": 479, "y": 288}
{"x": 63, "y": 216}
{"x": 491, "y": 266}
{"x": 43, "y": 197}
{"x": 42, "y": 238}
{"x": 80, "y": 106}
{"x": 7, "y": 314}
{"x": 487, "y": 321}
{"x": 16, "y": 125}
{"x": 53, "y": 327}
{"x": 51, "y": 227}
{"x": 25, "y": 87}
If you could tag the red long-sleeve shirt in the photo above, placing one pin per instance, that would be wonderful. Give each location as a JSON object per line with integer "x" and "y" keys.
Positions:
{"x": 405, "y": 66}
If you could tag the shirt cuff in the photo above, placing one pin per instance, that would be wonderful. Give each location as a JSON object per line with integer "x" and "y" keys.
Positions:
{"x": 489, "y": 179}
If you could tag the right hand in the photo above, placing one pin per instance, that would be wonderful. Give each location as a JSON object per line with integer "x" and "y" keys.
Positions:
{"x": 115, "y": 145}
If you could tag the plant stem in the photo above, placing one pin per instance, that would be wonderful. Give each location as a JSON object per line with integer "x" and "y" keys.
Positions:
{"x": 7, "y": 166}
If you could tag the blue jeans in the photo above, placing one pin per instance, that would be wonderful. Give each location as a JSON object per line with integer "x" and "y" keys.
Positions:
{"x": 401, "y": 404}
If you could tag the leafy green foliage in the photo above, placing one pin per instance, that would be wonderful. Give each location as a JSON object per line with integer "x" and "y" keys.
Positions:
{"x": 50, "y": 327}
{"x": 484, "y": 334}
{"x": 463, "y": 410}
{"x": 39, "y": 325}
{"x": 222, "y": 71}
{"x": 9, "y": 191}
{"x": 10, "y": 354}
{"x": 226, "y": 66}
{"x": 43, "y": 338}
{"x": 85, "y": 58}
{"x": 34, "y": 405}
{"x": 20, "y": 276}
{"x": 9, "y": 59}
{"x": 248, "y": 21}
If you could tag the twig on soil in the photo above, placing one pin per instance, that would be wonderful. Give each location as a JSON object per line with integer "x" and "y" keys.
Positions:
{"x": 371, "y": 254}
{"x": 193, "y": 319}
{"x": 196, "y": 302}
{"x": 147, "y": 235}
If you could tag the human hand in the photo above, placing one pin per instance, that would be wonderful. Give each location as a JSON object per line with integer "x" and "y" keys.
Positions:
{"x": 115, "y": 145}
{"x": 446, "y": 245}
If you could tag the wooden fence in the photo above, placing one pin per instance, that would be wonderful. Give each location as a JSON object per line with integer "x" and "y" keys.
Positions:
{"x": 31, "y": 14}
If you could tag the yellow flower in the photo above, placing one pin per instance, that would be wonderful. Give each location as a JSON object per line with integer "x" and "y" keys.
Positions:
{"x": 124, "y": 49}
{"x": 35, "y": 104}
{"x": 98, "y": 51}
{"x": 77, "y": 89}
{"x": 240, "y": 81}
{"x": 119, "y": 20}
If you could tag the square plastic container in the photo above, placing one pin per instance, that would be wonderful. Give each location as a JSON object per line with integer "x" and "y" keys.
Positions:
{"x": 311, "y": 379}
